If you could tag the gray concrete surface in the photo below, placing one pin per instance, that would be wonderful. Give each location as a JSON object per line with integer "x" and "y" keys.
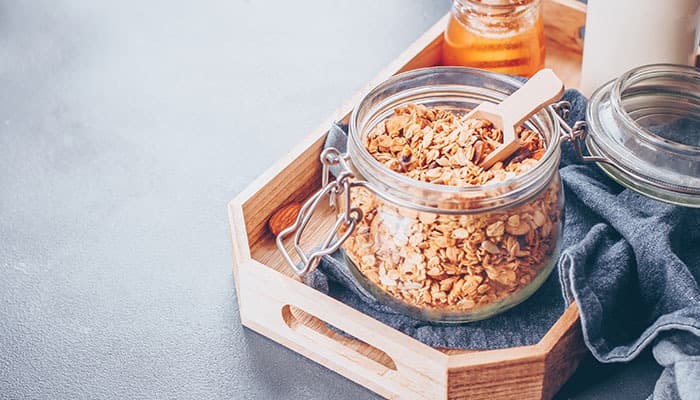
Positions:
{"x": 125, "y": 127}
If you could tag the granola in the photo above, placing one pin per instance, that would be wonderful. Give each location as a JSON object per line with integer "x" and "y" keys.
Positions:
{"x": 438, "y": 146}
{"x": 442, "y": 261}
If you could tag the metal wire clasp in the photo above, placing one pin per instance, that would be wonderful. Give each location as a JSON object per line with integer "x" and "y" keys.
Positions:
{"x": 348, "y": 217}
{"x": 575, "y": 134}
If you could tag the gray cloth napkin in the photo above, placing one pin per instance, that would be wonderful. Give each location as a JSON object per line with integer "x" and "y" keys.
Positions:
{"x": 631, "y": 263}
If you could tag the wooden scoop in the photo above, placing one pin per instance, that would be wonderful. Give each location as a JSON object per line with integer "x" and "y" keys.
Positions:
{"x": 541, "y": 90}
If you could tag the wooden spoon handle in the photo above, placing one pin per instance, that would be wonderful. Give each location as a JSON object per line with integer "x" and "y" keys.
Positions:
{"x": 542, "y": 89}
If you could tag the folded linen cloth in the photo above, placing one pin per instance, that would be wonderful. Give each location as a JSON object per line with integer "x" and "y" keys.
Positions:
{"x": 631, "y": 263}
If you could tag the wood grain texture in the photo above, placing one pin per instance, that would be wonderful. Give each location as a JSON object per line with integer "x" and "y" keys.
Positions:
{"x": 564, "y": 348}
{"x": 265, "y": 296}
{"x": 517, "y": 378}
{"x": 563, "y": 20}
{"x": 275, "y": 303}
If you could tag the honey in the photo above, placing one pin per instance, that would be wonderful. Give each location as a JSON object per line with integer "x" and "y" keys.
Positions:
{"x": 500, "y": 36}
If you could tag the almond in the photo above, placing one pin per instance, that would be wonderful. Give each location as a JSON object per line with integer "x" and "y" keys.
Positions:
{"x": 283, "y": 218}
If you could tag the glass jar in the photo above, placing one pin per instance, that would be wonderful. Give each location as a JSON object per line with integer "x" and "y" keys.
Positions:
{"x": 643, "y": 129}
{"x": 437, "y": 252}
{"x": 505, "y": 36}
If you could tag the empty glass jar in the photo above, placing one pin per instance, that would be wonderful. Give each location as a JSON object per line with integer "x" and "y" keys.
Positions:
{"x": 644, "y": 130}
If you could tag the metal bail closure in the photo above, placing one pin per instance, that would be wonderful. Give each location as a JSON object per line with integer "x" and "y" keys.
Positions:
{"x": 347, "y": 219}
{"x": 576, "y": 134}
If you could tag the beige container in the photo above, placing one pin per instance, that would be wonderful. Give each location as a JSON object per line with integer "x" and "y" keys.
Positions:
{"x": 624, "y": 34}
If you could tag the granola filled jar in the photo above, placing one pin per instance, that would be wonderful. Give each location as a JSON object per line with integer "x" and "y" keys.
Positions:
{"x": 433, "y": 235}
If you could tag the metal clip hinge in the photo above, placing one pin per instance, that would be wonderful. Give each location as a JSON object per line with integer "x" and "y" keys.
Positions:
{"x": 576, "y": 134}
{"x": 347, "y": 219}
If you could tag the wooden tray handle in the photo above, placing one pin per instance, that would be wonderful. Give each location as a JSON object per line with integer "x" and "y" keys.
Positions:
{"x": 393, "y": 365}
{"x": 360, "y": 358}
{"x": 315, "y": 330}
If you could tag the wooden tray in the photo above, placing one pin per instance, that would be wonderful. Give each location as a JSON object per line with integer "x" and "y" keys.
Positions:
{"x": 275, "y": 303}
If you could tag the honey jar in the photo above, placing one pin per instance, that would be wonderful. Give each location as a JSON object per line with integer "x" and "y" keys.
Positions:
{"x": 505, "y": 36}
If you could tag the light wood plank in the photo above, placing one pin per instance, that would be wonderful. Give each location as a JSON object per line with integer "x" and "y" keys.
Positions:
{"x": 563, "y": 20}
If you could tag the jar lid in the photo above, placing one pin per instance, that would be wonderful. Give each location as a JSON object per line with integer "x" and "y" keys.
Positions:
{"x": 646, "y": 124}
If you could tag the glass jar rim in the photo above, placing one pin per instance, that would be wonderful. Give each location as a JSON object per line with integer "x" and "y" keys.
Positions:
{"x": 499, "y": 9}
{"x": 498, "y": 4}
{"x": 512, "y": 186}
{"x": 639, "y": 74}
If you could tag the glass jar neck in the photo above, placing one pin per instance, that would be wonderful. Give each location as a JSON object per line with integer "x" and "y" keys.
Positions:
{"x": 454, "y": 88}
{"x": 496, "y": 17}
{"x": 671, "y": 92}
